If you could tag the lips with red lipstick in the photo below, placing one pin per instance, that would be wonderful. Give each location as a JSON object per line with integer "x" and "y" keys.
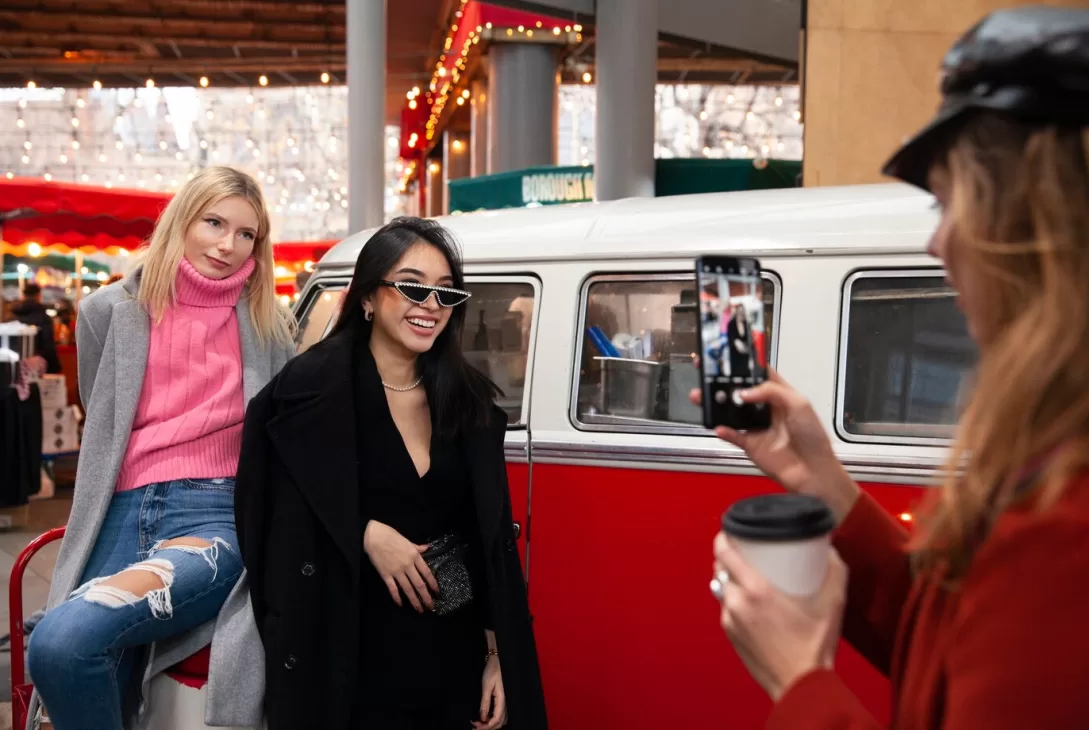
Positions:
{"x": 422, "y": 325}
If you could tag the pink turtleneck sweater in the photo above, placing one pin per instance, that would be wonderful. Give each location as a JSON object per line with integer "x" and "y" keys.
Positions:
{"x": 188, "y": 422}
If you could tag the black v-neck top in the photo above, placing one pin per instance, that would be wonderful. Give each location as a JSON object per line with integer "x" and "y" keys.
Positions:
{"x": 397, "y": 641}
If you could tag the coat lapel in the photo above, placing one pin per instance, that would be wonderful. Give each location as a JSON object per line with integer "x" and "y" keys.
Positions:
{"x": 488, "y": 471}
{"x": 256, "y": 365}
{"x": 314, "y": 434}
{"x": 131, "y": 332}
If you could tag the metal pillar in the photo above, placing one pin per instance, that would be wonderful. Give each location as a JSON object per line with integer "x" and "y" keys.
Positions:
{"x": 478, "y": 136}
{"x": 521, "y": 97}
{"x": 366, "y": 36}
{"x": 455, "y": 163}
{"x": 433, "y": 174}
{"x": 627, "y": 60}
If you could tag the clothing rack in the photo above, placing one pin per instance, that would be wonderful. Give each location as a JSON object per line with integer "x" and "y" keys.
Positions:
{"x": 17, "y": 343}
{"x": 20, "y": 418}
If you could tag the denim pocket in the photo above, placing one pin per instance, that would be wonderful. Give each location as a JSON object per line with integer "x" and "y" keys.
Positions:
{"x": 224, "y": 484}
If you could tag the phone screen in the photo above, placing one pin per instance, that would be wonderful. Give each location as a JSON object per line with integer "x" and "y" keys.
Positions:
{"x": 733, "y": 348}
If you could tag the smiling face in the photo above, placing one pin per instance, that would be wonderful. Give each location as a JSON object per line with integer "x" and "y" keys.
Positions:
{"x": 222, "y": 237}
{"x": 403, "y": 324}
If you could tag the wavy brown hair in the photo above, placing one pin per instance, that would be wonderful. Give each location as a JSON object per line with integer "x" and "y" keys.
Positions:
{"x": 1019, "y": 210}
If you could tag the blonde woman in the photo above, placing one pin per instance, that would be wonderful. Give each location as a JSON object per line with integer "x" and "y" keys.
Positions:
{"x": 979, "y": 618}
{"x": 149, "y": 571}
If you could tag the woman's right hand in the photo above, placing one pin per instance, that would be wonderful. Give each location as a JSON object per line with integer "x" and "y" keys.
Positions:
{"x": 401, "y": 565}
{"x": 796, "y": 450}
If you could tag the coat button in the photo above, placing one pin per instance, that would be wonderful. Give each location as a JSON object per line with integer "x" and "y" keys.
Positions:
{"x": 509, "y": 544}
{"x": 289, "y": 663}
{"x": 308, "y": 569}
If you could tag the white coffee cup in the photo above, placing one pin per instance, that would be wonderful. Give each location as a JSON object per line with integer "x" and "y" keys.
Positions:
{"x": 786, "y": 537}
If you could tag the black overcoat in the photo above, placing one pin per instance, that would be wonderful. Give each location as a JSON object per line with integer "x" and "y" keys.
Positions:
{"x": 299, "y": 531}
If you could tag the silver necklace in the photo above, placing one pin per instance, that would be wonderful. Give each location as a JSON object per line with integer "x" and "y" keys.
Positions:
{"x": 394, "y": 388}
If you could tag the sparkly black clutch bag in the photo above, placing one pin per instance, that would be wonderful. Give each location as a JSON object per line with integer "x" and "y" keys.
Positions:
{"x": 447, "y": 559}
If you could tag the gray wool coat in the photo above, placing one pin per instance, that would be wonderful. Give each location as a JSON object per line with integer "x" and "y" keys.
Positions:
{"x": 112, "y": 335}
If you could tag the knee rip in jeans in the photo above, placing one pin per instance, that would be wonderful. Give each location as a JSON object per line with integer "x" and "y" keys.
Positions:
{"x": 151, "y": 578}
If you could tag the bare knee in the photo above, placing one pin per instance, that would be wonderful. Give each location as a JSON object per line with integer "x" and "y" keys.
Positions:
{"x": 137, "y": 580}
{"x": 194, "y": 542}
{"x": 148, "y": 580}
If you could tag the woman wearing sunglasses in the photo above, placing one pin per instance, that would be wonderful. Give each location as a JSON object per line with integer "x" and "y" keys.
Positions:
{"x": 374, "y": 518}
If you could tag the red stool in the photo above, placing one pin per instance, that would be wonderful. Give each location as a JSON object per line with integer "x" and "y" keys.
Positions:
{"x": 20, "y": 690}
{"x": 191, "y": 672}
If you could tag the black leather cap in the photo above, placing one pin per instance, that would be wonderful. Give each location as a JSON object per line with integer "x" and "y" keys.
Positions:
{"x": 1031, "y": 63}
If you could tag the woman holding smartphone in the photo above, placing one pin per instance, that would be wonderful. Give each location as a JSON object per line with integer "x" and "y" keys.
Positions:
{"x": 979, "y": 617}
{"x": 374, "y": 516}
{"x": 148, "y": 570}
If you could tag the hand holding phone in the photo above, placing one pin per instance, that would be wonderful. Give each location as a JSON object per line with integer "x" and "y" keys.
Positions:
{"x": 732, "y": 346}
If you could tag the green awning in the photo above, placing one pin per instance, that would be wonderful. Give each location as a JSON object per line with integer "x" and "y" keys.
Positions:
{"x": 56, "y": 261}
{"x": 559, "y": 185}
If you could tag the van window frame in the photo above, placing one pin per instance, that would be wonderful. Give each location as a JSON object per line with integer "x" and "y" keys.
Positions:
{"x": 918, "y": 272}
{"x": 667, "y": 428}
{"x": 340, "y": 283}
{"x": 316, "y": 288}
{"x": 535, "y": 282}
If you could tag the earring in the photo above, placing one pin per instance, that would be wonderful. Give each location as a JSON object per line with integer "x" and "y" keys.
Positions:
{"x": 368, "y": 315}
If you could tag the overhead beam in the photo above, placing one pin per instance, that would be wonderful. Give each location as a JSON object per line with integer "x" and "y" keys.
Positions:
{"x": 715, "y": 65}
{"x": 256, "y": 7}
{"x": 181, "y": 65}
{"x": 163, "y": 8}
{"x": 163, "y": 22}
{"x": 332, "y": 64}
{"x": 103, "y": 41}
{"x": 728, "y": 70}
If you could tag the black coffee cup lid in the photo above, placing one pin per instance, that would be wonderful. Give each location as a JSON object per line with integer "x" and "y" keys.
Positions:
{"x": 778, "y": 518}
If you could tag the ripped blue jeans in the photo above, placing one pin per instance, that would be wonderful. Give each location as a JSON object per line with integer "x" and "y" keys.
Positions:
{"x": 82, "y": 654}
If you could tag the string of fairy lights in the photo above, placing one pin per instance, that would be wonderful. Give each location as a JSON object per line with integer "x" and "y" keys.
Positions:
{"x": 293, "y": 140}
{"x": 446, "y": 82}
{"x": 720, "y": 121}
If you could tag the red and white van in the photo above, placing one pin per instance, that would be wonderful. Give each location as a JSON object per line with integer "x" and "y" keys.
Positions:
{"x": 617, "y": 493}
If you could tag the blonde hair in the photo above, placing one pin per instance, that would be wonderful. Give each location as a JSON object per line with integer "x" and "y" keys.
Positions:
{"x": 164, "y": 251}
{"x": 1020, "y": 217}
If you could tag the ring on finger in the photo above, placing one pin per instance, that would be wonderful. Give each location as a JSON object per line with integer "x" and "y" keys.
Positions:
{"x": 718, "y": 585}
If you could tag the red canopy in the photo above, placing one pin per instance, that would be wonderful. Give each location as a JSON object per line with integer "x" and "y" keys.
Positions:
{"x": 301, "y": 251}
{"x": 88, "y": 201}
{"x": 67, "y": 216}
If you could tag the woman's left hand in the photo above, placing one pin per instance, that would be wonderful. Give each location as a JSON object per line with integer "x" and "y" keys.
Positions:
{"x": 779, "y": 637}
{"x": 493, "y": 701}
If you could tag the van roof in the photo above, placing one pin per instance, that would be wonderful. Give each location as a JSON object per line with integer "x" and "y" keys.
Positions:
{"x": 888, "y": 218}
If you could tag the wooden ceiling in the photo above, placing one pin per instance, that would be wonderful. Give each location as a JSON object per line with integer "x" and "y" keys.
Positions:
{"x": 233, "y": 43}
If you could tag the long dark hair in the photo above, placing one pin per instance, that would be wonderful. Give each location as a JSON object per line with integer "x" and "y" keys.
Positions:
{"x": 459, "y": 395}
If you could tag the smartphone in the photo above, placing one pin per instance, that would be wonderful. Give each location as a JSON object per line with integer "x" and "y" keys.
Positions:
{"x": 733, "y": 348}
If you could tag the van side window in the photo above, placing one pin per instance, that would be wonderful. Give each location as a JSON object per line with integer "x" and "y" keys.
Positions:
{"x": 651, "y": 321}
{"x": 496, "y": 338}
{"x": 318, "y": 314}
{"x": 905, "y": 360}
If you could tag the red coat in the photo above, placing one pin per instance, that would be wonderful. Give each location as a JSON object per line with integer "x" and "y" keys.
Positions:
{"x": 1008, "y": 651}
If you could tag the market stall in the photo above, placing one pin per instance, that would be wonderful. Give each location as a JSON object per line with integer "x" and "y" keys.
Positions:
{"x": 47, "y": 229}
{"x": 40, "y": 218}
